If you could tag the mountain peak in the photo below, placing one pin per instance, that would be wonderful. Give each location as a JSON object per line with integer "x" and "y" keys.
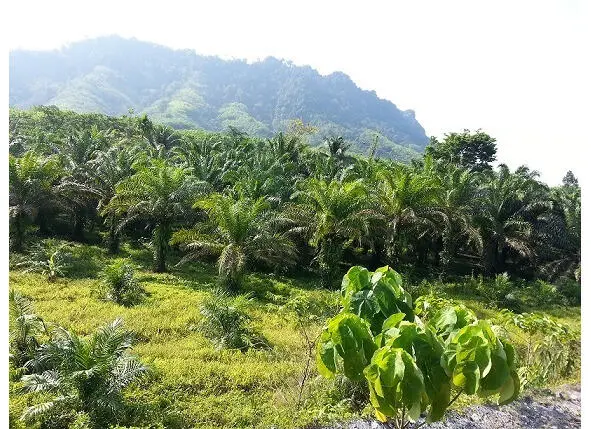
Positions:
{"x": 112, "y": 74}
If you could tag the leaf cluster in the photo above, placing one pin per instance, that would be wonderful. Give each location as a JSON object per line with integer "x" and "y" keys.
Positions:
{"x": 412, "y": 365}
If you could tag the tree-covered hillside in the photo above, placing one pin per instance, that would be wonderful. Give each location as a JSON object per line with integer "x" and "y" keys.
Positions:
{"x": 180, "y": 88}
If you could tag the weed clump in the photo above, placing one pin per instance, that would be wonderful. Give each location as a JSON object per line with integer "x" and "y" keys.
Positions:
{"x": 120, "y": 284}
{"x": 225, "y": 323}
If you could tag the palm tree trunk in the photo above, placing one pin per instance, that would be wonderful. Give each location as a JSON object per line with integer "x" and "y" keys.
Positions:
{"x": 329, "y": 258}
{"x": 79, "y": 220}
{"x": 501, "y": 258}
{"x": 19, "y": 233}
{"x": 161, "y": 237}
{"x": 113, "y": 236}
{"x": 378, "y": 255}
{"x": 490, "y": 257}
{"x": 448, "y": 251}
{"x": 42, "y": 223}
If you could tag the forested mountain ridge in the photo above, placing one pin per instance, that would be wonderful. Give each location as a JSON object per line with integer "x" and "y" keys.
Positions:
{"x": 180, "y": 88}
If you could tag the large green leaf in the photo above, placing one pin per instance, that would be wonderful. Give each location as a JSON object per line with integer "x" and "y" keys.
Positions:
{"x": 364, "y": 304}
{"x": 510, "y": 389}
{"x": 326, "y": 356}
{"x": 375, "y": 296}
{"x": 408, "y": 364}
{"x": 346, "y": 345}
{"x": 395, "y": 381}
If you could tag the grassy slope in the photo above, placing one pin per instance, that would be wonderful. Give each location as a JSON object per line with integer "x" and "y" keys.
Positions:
{"x": 195, "y": 384}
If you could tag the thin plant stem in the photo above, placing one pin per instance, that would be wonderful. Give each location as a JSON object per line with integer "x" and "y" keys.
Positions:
{"x": 455, "y": 397}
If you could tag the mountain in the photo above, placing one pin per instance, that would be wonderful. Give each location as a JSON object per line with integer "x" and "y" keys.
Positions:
{"x": 178, "y": 87}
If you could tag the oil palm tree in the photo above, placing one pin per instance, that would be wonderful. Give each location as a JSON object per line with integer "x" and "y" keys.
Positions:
{"x": 25, "y": 327}
{"x": 337, "y": 147}
{"x": 205, "y": 157}
{"x": 159, "y": 194}
{"x": 76, "y": 153}
{"x": 510, "y": 205}
{"x": 409, "y": 202}
{"x": 459, "y": 200}
{"x": 285, "y": 148}
{"x": 560, "y": 234}
{"x": 32, "y": 182}
{"x": 83, "y": 374}
{"x": 105, "y": 171}
{"x": 331, "y": 215}
{"x": 241, "y": 232}
{"x": 157, "y": 138}
{"x": 264, "y": 176}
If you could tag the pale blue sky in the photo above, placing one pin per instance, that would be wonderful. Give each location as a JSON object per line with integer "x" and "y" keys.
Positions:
{"x": 517, "y": 69}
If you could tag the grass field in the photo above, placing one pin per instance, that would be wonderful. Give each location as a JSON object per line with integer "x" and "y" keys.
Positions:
{"x": 193, "y": 383}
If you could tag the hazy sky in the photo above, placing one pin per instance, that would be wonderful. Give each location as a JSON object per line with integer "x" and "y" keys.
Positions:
{"x": 517, "y": 69}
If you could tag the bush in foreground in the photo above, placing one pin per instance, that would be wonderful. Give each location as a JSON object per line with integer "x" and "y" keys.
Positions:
{"x": 83, "y": 376}
{"x": 412, "y": 366}
{"x": 225, "y": 323}
{"x": 120, "y": 284}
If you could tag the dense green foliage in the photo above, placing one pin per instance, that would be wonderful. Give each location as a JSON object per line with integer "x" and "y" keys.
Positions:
{"x": 86, "y": 375}
{"x": 48, "y": 257}
{"x": 179, "y": 88}
{"x": 87, "y": 190}
{"x": 120, "y": 284}
{"x": 409, "y": 364}
{"x": 239, "y": 232}
{"x": 225, "y": 322}
{"x": 25, "y": 329}
{"x": 278, "y": 203}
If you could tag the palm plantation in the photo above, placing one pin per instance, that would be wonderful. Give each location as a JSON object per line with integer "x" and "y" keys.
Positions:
{"x": 285, "y": 223}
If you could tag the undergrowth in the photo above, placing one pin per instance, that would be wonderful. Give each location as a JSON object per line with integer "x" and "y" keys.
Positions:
{"x": 248, "y": 366}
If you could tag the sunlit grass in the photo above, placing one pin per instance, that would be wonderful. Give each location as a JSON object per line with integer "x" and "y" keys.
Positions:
{"x": 194, "y": 384}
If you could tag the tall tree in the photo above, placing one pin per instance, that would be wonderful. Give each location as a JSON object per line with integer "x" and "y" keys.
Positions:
{"x": 409, "y": 203}
{"x": 475, "y": 151}
{"x": 76, "y": 152}
{"x": 331, "y": 215}
{"x": 562, "y": 235}
{"x": 159, "y": 194}
{"x": 510, "y": 206}
{"x": 240, "y": 232}
{"x": 32, "y": 182}
{"x": 100, "y": 180}
{"x": 459, "y": 199}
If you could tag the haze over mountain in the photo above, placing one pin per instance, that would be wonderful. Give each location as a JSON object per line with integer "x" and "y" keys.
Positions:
{"x": 178, "y": 87}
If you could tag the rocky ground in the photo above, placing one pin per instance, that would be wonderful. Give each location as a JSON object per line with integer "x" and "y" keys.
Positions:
{"x": 558, "y": 409}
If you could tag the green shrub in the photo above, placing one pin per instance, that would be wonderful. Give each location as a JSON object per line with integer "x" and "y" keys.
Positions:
{"x": 550, "y": 350}
{"x": 120, "y": 284}
{"x": 409, "y": 365}
{"x": 225, "y": 323}
{"x": 49, "y": 257}
{"x": 83, "y": 379}
{"x": 571, "y": 290}
{"x": 496, "y": 290}
{"x": 355, "y": 394}
{"x": 25, "y": 328}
